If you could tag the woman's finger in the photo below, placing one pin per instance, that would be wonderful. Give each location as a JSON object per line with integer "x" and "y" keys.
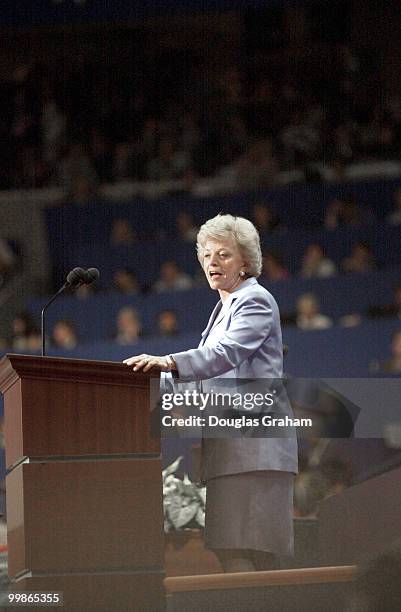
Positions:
{"x": 134, "y": 359}
{"x": 148, "y": 365}
{"x": 140, "y": 364}
{"x": 154, "y": 362}
{"x": 130, "y": 361}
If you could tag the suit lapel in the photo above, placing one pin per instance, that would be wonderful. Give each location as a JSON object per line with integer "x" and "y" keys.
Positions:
{"x": 219, "y": 313}
{"x": 215, "y": 312}
{"x": 224, "y": 311}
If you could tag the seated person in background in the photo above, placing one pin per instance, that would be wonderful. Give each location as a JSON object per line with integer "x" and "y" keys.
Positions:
{"x": 122, "y": 233}
{"x": 167, "y": 323}
{"x": 86, "y": 291}
{"x": 393, "y": 365}
{"x": 26, "y": 336}
{"x": 389, "y": 310}
{"x": 264, "y": 219}
{"x": 186, "y": 228}
{"x": 360, "y": 260}
{"x": 127, "y": 164}
{"x": 273, "y": 268}
{"x": 129, "y": 327}
{"x": 308, "y": 315}
{"x": 347, "y": 213}
{"x": 78, "y": 175}
{"x": 341, "y": 213}
{"x": 315, "y": 264}
{"x": 125, "y": 281}
{"x": 169, "y": 164}
{"x": 171, "y": 278}
{"x": 64, "y": 335}
{"x": 7, "y": 260}
{"x": 394, "y": 217}
{"x": 350, "y": 320}
{"x": 257, "y": 167}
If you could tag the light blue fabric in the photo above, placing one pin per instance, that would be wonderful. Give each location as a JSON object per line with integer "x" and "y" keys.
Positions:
{"x": 242, "y": 342}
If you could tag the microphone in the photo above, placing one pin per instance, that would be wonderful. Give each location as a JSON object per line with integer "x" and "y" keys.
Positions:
{"x": 91, "y": 275}
{"x": 75, "y": 278}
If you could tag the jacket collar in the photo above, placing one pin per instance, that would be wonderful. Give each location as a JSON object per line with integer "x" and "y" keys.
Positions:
{"x": 218, "y": 312}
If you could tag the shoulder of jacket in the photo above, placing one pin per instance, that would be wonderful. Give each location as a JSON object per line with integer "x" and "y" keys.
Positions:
{"x": 255, "y": 293}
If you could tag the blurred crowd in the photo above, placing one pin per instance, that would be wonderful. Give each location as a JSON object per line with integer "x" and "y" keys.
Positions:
{"x": 89, "y": 124}
{"x": 314, "y": 264}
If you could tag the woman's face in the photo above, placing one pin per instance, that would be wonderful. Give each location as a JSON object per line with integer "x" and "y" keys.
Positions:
{"x": 222, "y": 264}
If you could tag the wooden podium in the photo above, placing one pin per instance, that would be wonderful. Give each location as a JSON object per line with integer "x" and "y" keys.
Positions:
{"x": 84, "y": 487}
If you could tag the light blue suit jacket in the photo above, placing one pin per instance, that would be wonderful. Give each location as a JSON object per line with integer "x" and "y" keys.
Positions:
{"x": 242, "y": 342}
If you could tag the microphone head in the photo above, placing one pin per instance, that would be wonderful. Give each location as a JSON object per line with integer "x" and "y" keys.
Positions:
{"x": 91, "y": 275}
{"x": 76, "y": 276}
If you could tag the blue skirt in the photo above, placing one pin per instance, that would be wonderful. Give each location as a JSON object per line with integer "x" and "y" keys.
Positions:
{"x": 251, "y": 510}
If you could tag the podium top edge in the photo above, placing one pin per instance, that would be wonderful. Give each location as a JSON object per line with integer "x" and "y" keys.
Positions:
{"x": 14, "y": 366}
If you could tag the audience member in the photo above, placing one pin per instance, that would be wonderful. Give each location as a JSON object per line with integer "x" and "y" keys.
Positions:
{"x": 394, "y": 217}
{"x": 7, "y": 260}
{"x": 169, "y": 164}
{"x": 65, "y": 335}
{"x": 127, "y": 164}
{"x": 389, "y": 310}
{"x": 186, "y": 228}
{"x": 315, "y": 264}
{"x": 256, "y": 168}
{"x": 350, "y": 320}
{"x": 129, "y": 328}
{"x": 273, "y": 269}
{"x": 53, "y": 126}
{"x": 264, "y": 219}
{"x": 25, "y": 335}
{"x": 343, "y": 147}
{"x": 301, "y": 139}
{"x": 167, "y": 323}
{"x": 393, "y": 365}
{"x": 171, "y": 278}
{"x": 308, "y": 315}
{"x": 360, "y": 260}
{"x": 122, "y": 233}
{"x": 347, "y": 213}
{"x": 85, "y": 291}
{"x": 78, "y": 175}
{"x": 125, "y": 281}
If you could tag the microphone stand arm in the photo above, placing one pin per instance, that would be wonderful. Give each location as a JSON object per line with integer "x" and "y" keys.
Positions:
{"x": 43, "y": 321}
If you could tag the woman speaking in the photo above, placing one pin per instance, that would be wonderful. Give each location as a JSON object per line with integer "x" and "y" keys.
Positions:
{"x": 249, "y": 503}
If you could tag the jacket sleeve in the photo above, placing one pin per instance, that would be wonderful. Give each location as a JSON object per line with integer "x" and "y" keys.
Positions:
{"x": 250, "y": 325}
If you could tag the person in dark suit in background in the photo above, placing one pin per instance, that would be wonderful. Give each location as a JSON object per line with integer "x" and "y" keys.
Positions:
{"x": 249, "y": 507}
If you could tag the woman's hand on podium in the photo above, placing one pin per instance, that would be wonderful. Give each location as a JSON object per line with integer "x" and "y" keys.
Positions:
{"x": 149, "y": 362}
